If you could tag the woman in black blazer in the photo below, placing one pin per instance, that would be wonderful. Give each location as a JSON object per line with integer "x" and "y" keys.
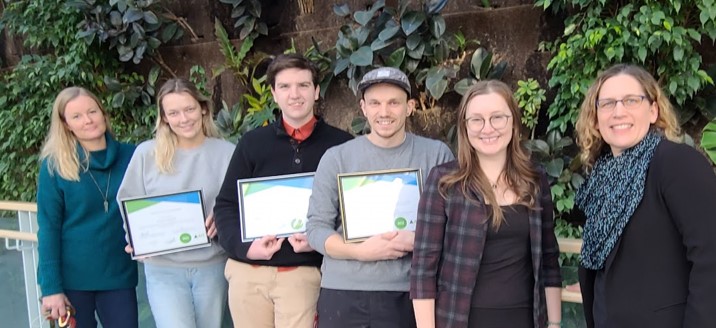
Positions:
{"x": 649, "y": 254}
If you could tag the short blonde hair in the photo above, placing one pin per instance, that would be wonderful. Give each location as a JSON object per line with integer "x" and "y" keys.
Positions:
{"x": 589, "y": 139}
{"x": 166, "y": 139}
{"x": 60, "y": 147}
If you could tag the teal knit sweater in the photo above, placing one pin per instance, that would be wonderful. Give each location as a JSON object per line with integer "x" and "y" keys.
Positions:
{"x": 80, "y": 246}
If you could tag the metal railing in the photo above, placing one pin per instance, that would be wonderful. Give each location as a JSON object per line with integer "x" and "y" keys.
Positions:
{"x": 570, "y": 246}
{"x": 24, "y": 240}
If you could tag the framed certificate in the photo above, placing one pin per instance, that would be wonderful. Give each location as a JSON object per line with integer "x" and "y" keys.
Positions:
{"x": 377, "y": 202}
{"x": 275, "y": 205}
{"x": 164, "y": 224}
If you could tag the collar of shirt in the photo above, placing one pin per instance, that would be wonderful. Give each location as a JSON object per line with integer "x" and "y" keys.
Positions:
{"x": 301, "y": 133}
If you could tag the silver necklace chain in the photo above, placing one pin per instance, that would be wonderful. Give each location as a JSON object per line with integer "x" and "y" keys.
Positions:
{"x": 106, "y": 193}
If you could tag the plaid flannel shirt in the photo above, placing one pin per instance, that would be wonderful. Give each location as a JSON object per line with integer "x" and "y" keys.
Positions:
{"x": 449, "y": 242}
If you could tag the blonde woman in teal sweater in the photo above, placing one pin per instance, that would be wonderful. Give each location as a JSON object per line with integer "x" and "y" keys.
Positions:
{"x": 81, "y": 238}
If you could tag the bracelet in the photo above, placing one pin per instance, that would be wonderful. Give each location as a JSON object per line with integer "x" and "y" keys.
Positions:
{"x": 551, "y": 323}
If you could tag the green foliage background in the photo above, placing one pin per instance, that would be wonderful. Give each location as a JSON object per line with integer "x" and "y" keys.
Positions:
{"x": 659, "y": 35}
{"x": 108, "y": 37}
{"x": 27, "y": 91}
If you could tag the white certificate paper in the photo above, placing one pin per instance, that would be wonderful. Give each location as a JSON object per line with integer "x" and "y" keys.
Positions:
{"x": 378, "y": 202}
{"x": 165, "y": 224}
{"x": 275, "y": 205}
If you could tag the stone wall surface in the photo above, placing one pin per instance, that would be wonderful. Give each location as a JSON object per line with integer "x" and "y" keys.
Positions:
{"x": 511, "y": 29}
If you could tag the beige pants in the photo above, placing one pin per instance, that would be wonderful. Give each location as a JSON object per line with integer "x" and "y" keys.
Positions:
{"x": 263, "y": 297}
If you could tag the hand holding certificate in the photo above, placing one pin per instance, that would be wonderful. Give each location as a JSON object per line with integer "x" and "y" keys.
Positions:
{"x": 275, "y": 206}
{"x": 165, "y": 224}
{"x": 378, "y": 202}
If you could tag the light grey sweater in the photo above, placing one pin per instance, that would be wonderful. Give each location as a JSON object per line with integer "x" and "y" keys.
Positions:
{"x": 202, "y": 168}
{"x": 359, "y": 155}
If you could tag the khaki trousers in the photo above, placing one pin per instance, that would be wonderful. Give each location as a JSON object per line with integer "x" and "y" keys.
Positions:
{"x": 268, "y": 297}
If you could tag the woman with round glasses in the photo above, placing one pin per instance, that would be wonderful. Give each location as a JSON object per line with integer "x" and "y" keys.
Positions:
{"x": 485, "y": 252}
{"x": 649, "y": 253}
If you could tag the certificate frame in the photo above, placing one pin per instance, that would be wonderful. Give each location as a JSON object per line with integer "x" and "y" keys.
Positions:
{"x": 259, "y": 216}
{"x": 385, "y": 190}
{"x": 189, "y": 206}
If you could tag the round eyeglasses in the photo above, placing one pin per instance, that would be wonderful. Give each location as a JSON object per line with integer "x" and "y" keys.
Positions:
{"x": 497, "y": 122}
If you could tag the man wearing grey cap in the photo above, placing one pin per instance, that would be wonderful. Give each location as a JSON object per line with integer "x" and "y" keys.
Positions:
{"x": 366, "y": 284}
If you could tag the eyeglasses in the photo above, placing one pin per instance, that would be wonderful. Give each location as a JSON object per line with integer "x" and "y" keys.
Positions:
{"x": 629, "y": 102}
{"x": 497, "y": 122}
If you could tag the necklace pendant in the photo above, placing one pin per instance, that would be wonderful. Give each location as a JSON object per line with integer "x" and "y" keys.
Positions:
{"x": 106, "y": 207}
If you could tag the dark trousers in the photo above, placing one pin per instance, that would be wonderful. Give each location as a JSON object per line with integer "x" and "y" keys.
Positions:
{"x": 115, "y": 308}
{"x": 364, "y": 309}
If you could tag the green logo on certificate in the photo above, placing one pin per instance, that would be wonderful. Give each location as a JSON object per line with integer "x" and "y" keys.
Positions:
{"x": 185, "y": 238}
{"x": 401, "y": 222}
{"x": 296, "y": 224}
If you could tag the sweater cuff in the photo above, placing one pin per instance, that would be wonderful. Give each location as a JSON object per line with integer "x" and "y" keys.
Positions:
{"x": 50, "y": 286}
{"x": 317, "y": 239}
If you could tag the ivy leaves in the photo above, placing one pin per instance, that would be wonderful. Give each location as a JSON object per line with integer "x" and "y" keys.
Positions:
{"x": 133, "y": 28}
{"x": 655, "y": 34}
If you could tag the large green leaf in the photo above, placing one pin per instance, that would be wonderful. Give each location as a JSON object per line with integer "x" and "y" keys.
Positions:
{"x": 362, "y": 17}
{"x": 361, "y": 35}
{"x": 497, "y": 71}
{"x": 478, "y": 57}
{"x": 125, "y": 53}
{"x": 132, "y": 15}
{"x": 435, "y": 82}
{"x": 486, "y": 66}
{"x": 391, "y": 28}
{"x": 411, "y": 64}
{"x": 554, "y": 167}
{"x": 341, "y": 65}
{"x": 538, "y": 147}
{"x": 411, "y": 21}
{"x": 115, "y": 17}
{"x": 413, "y": 41}
{"x": 463, "y": 85}
{"x": 379, "y": 44}
{"x": 708, "y": 140}
{"x": 437, "y": 26}
{"x": 362, "y": 57}
{"x": 168, "y": 32}
{"x": 396, "y": 58}
{"x": 417, "y": 53}
{"x": 150, "y": 17}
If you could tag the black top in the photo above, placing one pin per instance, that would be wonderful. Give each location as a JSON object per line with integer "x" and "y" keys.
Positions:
{"x": 660, "y": 274}
{"x": 505, "y": 279}
{"x": 263, "y": 152}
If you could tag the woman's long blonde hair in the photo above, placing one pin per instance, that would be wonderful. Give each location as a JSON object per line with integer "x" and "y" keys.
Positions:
{"x": 519, "y": 173}
{"x": 589, "y": 139}
{"x": 60, "y": 147}
{"x": 166, "y": 139}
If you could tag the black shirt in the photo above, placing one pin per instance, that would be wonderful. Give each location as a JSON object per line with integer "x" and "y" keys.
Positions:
{"x": 505, "y": 278}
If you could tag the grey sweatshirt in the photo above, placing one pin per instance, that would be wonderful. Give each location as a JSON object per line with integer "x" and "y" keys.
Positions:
{"x": 202, "y": 168}
{"x": 359, "y": 155}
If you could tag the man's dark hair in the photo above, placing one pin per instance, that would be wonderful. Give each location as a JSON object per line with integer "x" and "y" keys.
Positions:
{"x": 286, "y": 61}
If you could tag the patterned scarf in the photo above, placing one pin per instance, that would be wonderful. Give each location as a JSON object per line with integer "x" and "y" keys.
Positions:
{"x": 610, "y": 196}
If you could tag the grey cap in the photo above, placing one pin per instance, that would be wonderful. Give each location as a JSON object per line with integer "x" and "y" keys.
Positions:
{"x": 385, "y": 75}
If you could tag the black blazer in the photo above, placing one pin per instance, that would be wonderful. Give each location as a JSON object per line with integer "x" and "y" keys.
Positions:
{"x": 662, "y": 272}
